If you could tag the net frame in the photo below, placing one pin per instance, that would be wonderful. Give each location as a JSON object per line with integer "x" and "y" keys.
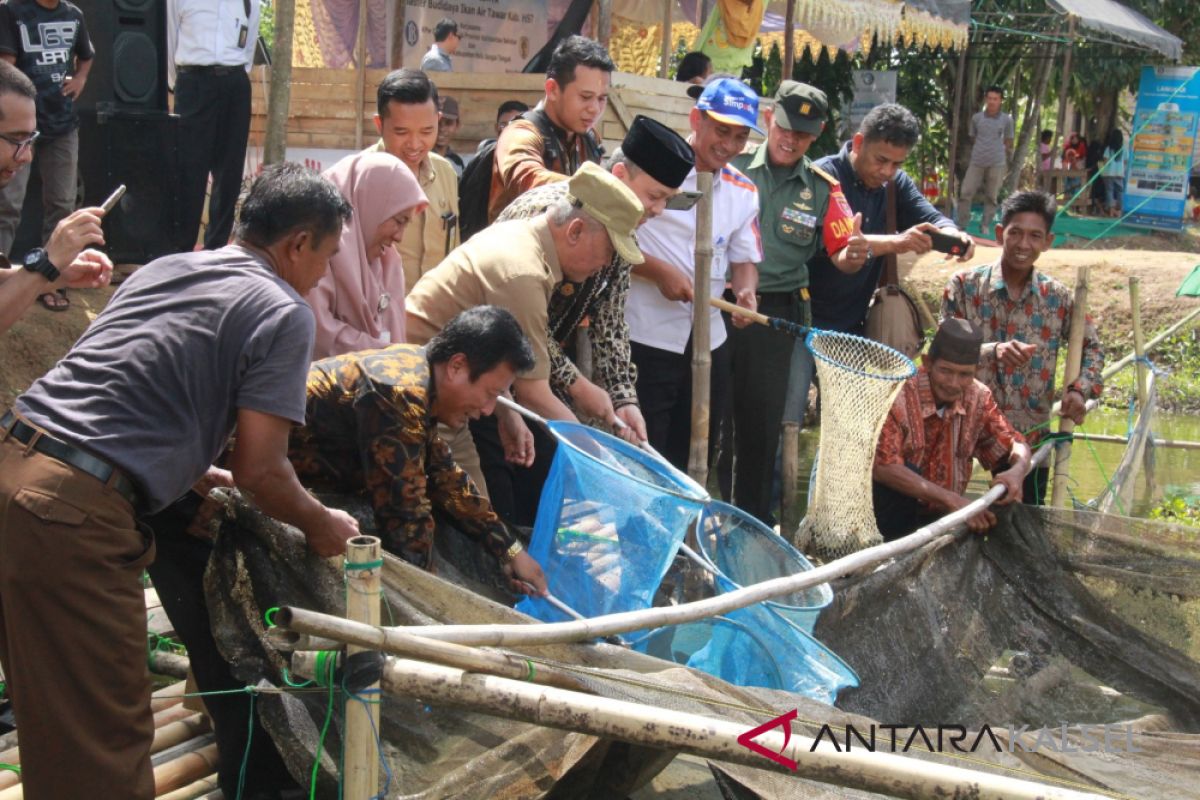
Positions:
{"x": 859, "y": 380}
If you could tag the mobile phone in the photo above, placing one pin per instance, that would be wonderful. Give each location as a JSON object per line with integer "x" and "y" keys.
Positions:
{"x": 684, "y": 201}
{"x": 114, "y": 198}
{"x": 948, "y": 243}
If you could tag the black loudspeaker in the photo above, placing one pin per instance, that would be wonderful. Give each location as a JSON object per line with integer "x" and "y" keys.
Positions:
{"x": 130, "y": 68}
{"x": 139, "y": 149}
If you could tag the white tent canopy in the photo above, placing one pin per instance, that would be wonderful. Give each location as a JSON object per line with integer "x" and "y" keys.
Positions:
{"x": 1124, "y": 23}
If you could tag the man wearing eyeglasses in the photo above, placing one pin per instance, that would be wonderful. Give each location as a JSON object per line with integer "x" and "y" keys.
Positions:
{"x": 48, "y": 41}
{"x": 64, "y": 261}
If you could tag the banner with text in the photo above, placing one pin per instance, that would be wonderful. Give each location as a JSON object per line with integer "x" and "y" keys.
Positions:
{"x": 497, "y": 35}
{"x": 871, "y": 88}
{"x": 1160, "y": 154}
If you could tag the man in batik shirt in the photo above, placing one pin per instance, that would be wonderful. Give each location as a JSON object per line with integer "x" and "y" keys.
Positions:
{"x": 1025, "y": 317}
{"x": 371, "y": 423}
{"x": 942, "y": 419}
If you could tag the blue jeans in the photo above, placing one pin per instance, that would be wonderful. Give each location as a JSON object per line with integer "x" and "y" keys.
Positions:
{"x": 1113, "y": 189}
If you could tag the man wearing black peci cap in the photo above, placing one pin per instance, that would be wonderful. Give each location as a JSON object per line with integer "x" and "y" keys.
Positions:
{"x": 801, "y": 211}
{"x": 941, "y": 420}
{"x": 653, "y": 161}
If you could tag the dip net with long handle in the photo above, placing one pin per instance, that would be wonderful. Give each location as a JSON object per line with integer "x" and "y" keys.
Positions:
{"x": 859, "y": 380}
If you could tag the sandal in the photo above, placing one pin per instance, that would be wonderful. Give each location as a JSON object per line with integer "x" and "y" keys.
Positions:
{"x": 55, "y": 301}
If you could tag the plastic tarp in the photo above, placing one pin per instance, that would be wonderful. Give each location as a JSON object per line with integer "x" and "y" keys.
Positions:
{"x": 1122, "y": 22}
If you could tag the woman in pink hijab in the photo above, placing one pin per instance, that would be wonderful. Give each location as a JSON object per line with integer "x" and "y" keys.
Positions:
{"x": 359, "y": 304}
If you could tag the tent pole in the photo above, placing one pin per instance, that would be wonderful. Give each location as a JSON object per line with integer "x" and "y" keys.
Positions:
{"x": 664, "y": 61}
{"x": 789, "y": 40}
{"x": 1064, "y": 87}
{"x": 956, "y": 124}
{"x": 280, "y": 91}
{"x": 398, "y": 36}
{"x": 360, "y": 77}
{"x": 604, "y": 22}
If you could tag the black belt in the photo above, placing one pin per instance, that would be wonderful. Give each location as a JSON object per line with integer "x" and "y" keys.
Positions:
{"x": 782, "y": 298}
{"x": 211, "y": 69}
{"x": 46, "y": 444}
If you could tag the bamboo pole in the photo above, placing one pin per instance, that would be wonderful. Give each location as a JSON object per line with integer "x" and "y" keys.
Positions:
{"x": 176, "y": 733}
{"x": 397, "y": 60}
{"x": 360, "y": 74}
{"x": 1062, "y": 448}
{"x": 1105, "y": 438}
{"x": 397, "y": 642}
{"x": 168, "y": 696}
{"x": 789, "y": 39}
{"x": 280, "y": 93}
{"x": 701, "y": 335}
{"x": 1158, "y": 339}
{"x": 789, "y": 518}
{"x": 664, "y": 58}
{"x": 286, "y": 641}
{"x": 360, "y": 767}
{"x": 660, "y": 616}
{"x": 187, "y": 768}
{"x": 707, "y": 737}
{"x": 604, "y": 22}
{"x": 193, "y": 790}
{"x": 164, "y": 662}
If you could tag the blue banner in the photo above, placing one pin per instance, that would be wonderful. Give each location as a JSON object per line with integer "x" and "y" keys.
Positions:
{"x": 1160, "y": 154}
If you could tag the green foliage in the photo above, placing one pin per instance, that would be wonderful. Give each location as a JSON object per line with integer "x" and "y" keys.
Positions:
{"x": 832, "y": 76}
{"x": 266, "y": 25}
{"x": 1179, "y": 509}
{"x": 772, "y": 72}
{"x": 1178, "y": 356}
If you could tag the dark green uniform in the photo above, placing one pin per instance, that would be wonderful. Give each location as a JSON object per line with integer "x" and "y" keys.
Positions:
{"x": 794, "y": 208}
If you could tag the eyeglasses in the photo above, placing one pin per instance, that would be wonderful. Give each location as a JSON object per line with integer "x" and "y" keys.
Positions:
{"x": 20, "y": 144}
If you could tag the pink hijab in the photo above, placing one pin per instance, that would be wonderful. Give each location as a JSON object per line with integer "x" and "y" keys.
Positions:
{"x": 359, "y": 304}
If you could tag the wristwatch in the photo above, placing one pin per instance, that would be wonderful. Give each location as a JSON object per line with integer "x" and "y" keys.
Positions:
{"x": 37, "y": 261}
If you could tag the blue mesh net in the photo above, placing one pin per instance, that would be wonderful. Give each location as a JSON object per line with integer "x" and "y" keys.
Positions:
{"x": 610, "y": 520}
{"x": 746, "y": 552}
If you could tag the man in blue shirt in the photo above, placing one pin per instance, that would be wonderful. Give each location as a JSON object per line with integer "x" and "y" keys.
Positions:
{"x": 868, "y": 168}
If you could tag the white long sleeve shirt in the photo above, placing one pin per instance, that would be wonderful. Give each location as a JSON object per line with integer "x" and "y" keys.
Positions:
{"x": 204, "y": 32}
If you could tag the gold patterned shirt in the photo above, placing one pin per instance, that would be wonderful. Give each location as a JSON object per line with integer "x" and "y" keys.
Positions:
{"x": 369, "y": 424}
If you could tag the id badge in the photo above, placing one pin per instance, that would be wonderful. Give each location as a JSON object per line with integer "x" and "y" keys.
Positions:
{"x": 243, "y": 32}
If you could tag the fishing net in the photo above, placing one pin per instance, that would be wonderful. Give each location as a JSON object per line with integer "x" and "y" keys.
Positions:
{"x": 859, "y": 379}
{"x": 1000, "y": 630}
{"x": 766, "y": 644}
{"x": 610, "y": 520}
{"x": 1118, "y": 494}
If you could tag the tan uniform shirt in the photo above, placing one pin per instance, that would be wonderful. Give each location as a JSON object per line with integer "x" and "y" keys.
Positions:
{"x": 513, "y": 265}
{"x": 424, "y": 243}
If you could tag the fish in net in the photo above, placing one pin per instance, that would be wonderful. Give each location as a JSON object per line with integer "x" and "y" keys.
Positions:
{"x": 859, "y": 380}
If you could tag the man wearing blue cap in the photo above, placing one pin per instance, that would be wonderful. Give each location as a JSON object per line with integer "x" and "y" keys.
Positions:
{"x": 659, "y": 310}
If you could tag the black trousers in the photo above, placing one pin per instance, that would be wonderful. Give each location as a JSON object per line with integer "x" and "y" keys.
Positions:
{"x": 664, "y": 390}
{"x": 214, "y": 123}
{"x": 513, "y": 491}
{"x": 178, "y": 575}
{"x": 896, "y": 514}
{"x": 760, "y": 365}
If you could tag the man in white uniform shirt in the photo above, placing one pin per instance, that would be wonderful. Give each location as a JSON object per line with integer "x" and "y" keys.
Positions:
{"x": 210, "y": 48}
{"x": 659, "y": 309}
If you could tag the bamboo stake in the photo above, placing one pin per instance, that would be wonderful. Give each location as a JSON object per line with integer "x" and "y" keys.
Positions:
{"x": 280, "y": 93}
{"x": 789, "y": 519}
{"x": 360, "y": 767}
{"x": 707, "y": 737}
{"x": 193, "y": 790}
{"x": 178, "y": 732}
{"x": 1139, "y": 340}
{"x": 1158, "y": 339}
{"x": 360, "y": 76}
{"x": 1062, "y": 449}
{"x": 701, "y": 335}
{"x": 529, "y": 635}
{"x": 664, "y": 58}
{"x": 398, "y": 642}
{"x": 789, "y": 39}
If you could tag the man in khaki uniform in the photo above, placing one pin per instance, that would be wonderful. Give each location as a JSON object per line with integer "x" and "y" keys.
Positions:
{"x": 516, "y": 265}
{"x": 407, "y": 121}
